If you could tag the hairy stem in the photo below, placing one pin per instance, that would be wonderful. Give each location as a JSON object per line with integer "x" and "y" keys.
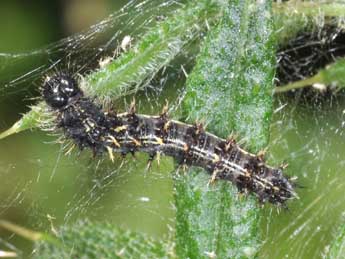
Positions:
{"x": 230, "y": 90}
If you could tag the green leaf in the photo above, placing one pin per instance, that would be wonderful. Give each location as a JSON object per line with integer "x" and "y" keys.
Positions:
{"x": 156, "y": 49}
{"x": 230, "y": 89}
{"x": 35, "y": 116}
{"x": 87, "y": 240}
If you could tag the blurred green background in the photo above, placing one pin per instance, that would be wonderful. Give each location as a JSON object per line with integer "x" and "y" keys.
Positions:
{"x": 40, "y": 188}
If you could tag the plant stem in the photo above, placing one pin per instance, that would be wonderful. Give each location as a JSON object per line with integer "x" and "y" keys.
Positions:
{"x": 298, "y": 84}
{"x": 230, "y": 90}
{"x": 27, "y": 233}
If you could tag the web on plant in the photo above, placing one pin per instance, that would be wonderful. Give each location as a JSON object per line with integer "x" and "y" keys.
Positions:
{"x": 308, "y": 132}
{"x": 82, "y": 52}
{"x": 41, "y": 188}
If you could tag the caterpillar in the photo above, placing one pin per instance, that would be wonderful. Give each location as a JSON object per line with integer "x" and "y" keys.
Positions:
{"x": 89, "y": 126}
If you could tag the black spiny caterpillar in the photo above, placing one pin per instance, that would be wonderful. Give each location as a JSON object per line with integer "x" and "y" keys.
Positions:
{"x": 90, "y": 127}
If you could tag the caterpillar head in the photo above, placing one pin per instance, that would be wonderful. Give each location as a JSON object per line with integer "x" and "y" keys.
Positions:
{"x": 275, "y": 187}
{"x": 58, "y": 89}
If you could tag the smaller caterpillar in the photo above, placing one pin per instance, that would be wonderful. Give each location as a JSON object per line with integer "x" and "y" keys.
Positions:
{"x": 107, "y": 132}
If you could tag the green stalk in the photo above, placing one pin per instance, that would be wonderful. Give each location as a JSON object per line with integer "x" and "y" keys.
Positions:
{"x": 297, "y": 84}
{"x": 29, "y": 234}
{"x": 230, "y": 90}
{"x": 331, "y": 75}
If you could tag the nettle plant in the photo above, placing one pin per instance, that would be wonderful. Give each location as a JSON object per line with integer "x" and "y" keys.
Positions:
{"x": 229, "y": 91}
